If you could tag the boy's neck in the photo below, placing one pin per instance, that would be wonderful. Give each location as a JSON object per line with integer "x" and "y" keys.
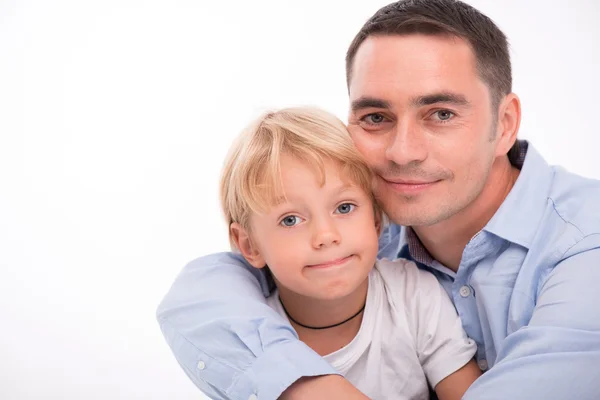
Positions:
{"x": 323, "y": 313}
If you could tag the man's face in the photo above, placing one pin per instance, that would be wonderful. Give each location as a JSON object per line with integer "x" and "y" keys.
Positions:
{"x": 422, "y": 117}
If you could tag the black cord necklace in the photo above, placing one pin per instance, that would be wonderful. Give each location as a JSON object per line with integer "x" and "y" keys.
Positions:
{"x": 320, "y": 327}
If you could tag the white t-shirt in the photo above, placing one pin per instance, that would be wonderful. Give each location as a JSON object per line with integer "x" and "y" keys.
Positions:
{"x": 410, "y": 334}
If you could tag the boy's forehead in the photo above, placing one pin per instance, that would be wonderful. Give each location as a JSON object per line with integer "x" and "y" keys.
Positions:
{"x": 299, "y": 177}
{"x": 274, "y": 200}
{"x": 336, "y": 188}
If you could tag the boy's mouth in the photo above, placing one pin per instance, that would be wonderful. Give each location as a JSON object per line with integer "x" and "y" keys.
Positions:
{"x": 331, "y": 263}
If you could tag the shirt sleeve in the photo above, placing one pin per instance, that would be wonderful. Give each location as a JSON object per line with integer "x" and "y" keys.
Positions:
{"x": 442, "y": 345}
{"x": 226, "y": 338}
{"x": 555, "y": 356}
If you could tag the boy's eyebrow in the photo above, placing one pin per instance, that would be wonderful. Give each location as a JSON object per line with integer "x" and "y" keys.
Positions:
{"x": 279, "y": 200}
{"x": 344, "y": 188}
{"x": 338, "y": 190}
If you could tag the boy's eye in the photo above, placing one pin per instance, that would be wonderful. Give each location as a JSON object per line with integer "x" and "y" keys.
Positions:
{"x": 290, "y": 220}
{"x": 345, "y": 208}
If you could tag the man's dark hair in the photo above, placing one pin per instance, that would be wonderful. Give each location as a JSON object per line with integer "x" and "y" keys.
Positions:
{"x": 446, "y": 17}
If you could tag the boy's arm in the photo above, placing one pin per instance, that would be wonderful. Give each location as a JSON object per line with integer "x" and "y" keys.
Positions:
{"x": 444, "y": 350}
{"x": 454, "y": 386}
{"x": 227, "y": 339}
{"x": 323, "y": 388}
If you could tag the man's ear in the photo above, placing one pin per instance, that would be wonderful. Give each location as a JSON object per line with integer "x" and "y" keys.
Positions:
{"x": 244, "y": 243}
{"x": 509, "y": 119}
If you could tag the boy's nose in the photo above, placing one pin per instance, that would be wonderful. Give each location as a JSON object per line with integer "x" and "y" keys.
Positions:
{"x": 325, "y": 235}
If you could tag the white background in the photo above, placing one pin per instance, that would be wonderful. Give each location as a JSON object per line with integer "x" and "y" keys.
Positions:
{"x": 115, "y": 117}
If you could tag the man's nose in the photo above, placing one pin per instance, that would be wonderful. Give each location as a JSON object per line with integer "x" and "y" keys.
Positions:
{"x": 408, "y": 144}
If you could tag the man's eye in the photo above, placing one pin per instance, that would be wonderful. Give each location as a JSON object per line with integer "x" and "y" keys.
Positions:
{"x": 345, "y": 208}
{"x": 290, "y": 220}
{"x": 444, "y": 115}
{"x": 374, "y": 118}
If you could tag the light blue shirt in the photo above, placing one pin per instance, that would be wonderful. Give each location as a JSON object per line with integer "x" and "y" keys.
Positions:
{"x": 527, "y": 291}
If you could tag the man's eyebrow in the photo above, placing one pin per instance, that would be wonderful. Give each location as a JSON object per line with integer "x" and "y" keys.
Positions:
{"x": 444, "y": 97}
{"x": 425, "y": 100}
{"x": 369, "y": 102}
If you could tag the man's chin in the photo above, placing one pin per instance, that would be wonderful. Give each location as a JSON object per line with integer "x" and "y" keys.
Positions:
{"x": 414, "y": 214}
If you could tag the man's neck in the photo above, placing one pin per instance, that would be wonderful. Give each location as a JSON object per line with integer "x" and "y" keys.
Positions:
{"x": 446, "y": 240}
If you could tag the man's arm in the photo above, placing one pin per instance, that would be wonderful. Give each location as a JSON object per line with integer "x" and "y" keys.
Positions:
{"x": 557, "y": 355}
{"x": 229, "y": 342}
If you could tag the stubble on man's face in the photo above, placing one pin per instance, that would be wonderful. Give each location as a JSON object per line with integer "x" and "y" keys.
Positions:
{"x": 421, "y": 116}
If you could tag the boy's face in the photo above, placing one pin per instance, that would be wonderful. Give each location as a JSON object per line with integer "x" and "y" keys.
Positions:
{"x": 321, "y": 241}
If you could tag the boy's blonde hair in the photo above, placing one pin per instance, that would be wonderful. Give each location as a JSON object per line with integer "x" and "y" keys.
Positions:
{"x": 251, "y": 179}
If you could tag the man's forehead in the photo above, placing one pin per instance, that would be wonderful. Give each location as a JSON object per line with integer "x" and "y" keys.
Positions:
{"x": 409, "y": 46}
{"x": 411, "y": 66}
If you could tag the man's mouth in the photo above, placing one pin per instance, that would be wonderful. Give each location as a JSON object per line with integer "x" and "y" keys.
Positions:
{"x": 409, "y": 186}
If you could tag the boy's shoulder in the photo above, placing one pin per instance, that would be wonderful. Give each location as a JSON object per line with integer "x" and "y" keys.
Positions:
{"x": 410, "y": 292}
{"x": 396, "y": 268}
{"x": 403, "y": 278}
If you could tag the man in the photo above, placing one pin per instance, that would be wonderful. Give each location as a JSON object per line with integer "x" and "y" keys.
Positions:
{"x": 514, "y": 242}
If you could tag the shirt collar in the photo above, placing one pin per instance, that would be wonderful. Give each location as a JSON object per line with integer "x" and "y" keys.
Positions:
{"x": 521, "y": 212}
{"x": 416, "y": 249}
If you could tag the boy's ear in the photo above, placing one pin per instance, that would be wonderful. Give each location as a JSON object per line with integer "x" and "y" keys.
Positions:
{"x": 378, "y": 221}
{"x": 244, "y": 243}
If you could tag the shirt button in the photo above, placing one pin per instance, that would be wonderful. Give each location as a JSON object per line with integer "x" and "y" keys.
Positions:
{"x": 253, "y": 397}
{"x": 465, "y": 291}
{"x": 201, "y": 365}
{"x": 483, "y": 365}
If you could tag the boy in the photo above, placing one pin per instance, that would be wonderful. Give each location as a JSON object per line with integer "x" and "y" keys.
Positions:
{"x": 297, "y": 197}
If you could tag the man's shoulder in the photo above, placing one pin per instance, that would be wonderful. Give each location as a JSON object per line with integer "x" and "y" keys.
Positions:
{"x": 570, "y": 223}
{"x": 576, "y": 201}
{"x": 548, "y": 205}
